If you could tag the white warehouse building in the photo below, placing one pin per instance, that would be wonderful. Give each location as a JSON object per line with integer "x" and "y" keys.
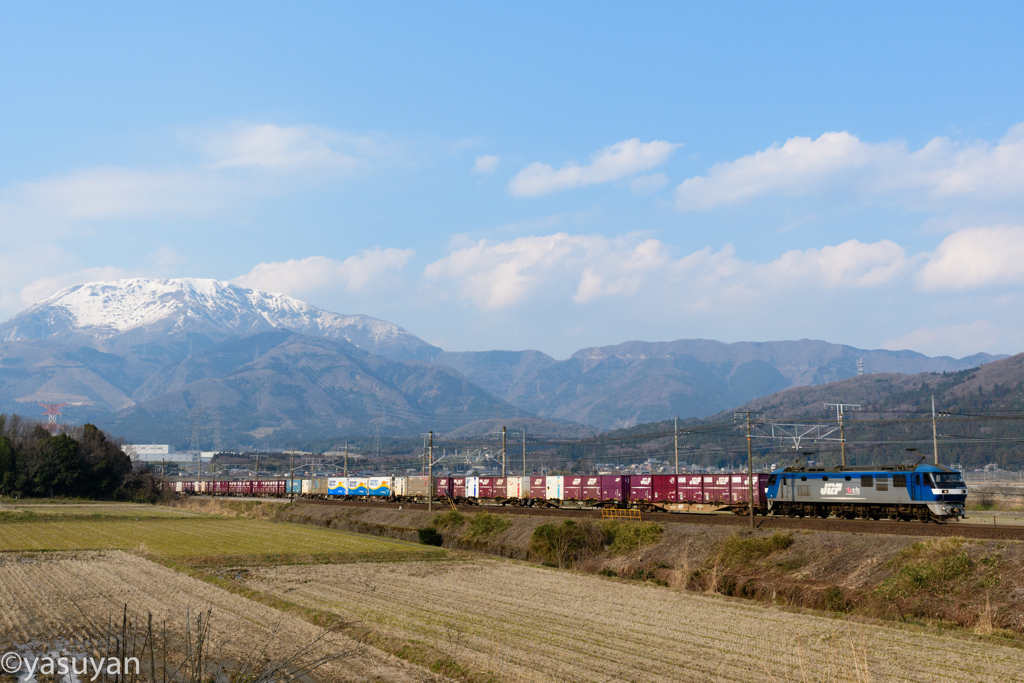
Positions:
{"x": 163, "y": 453}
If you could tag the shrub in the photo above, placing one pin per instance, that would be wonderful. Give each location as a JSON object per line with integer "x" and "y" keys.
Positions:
{"x": 429, "y": 536}
{"x": 834, "y": 600}
{"x": 447, "y": 520}
{"x": 565, "y": 544}
{"x": 621, "y": 537}
{"x": 487, "y": 524}
{"x": 981, "y": 500}
{"x": 933, "y": 566}
{"x": 740, "y": 549}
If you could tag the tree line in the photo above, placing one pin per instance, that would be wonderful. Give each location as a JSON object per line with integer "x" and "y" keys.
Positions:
{"x": 78, "y": 462}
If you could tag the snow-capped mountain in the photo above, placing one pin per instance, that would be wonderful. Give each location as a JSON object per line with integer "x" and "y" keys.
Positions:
{"x": 141, "y": 307}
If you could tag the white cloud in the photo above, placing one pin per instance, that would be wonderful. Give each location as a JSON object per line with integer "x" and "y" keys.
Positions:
{"x": 798, "y": 167}
{"x": 200, "y": 189}
{"x": 620, "y": 270}
{"x": 955, "y": 340}
{"x": 282, "y": 147}
{"x": 486, "y": 163}
{"x": 116, "y": 193}
{"x": 299, "y": 277}
{"x": 850, "y": 264}
{"x": 940, "y": 172}
{"x": 495, "y": 275}
{"x": 611, "y": 163}
{"x": 648, "y": 184}
{"x": 976, "y": 257}
{"x": 500, "y": 274}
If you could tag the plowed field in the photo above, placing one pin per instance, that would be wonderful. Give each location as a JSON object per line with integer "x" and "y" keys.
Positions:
{"x": 71, "y": 595}
{"x": 526, "y": 623}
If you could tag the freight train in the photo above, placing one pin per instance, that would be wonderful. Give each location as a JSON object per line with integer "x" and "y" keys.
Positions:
{"x": 924, "y": 493}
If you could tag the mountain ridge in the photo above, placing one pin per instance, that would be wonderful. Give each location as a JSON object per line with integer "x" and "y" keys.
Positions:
{"x": 114, "y": 309}
{"x": 110, "y": 347}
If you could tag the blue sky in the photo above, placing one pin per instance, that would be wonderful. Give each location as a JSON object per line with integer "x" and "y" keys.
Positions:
{"x": 549, "y": 176}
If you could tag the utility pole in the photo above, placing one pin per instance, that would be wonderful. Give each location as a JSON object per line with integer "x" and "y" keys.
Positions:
{"x": 291, "y": 487}
{"x": 346, "y": 460}
{"x": 935, "y": 434}
{"x": 840, "y": 407}
{"x": 503, "y": 451}
{"x": 524, "y": 451}
{"x": 748, "y": 416}
{"x": 256, "y": 472}
{"x": 430, "y": 475}
{"x": 676, "y": 430}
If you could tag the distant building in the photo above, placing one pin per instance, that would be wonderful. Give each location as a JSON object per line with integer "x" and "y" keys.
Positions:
{"x": 162, "y": 453}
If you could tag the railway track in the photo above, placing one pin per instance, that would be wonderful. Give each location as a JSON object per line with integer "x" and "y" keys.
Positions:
{"x": 853, "y": 526}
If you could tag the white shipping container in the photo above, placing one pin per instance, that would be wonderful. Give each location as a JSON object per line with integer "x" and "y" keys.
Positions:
{"x": 555, "y": 487}
{"x": 472, "y": 487}
{"x": 357, "y": 486}
{"x": 518, "y": 487}
{"x": 401, "y": 486}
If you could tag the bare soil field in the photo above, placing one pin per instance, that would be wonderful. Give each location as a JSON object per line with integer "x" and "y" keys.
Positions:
{"x": 71, "y": 596}
{"x": 526, "y": 623}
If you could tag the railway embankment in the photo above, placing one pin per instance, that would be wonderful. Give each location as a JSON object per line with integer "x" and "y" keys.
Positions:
{"x": 938, "y": 581}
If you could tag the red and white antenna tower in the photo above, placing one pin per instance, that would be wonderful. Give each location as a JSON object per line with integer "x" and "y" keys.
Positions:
{"x": 52, "y": 411}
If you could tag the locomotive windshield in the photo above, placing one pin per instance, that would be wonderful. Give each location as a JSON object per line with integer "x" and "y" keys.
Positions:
{"x": 950, "y": 480}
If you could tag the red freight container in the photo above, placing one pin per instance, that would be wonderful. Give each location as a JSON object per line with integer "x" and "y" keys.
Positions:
{"x": 220, "y": 488}
{"x": 665, "y": 489}
{"x": 500, "y": 487}
{"x": 738, "y": 488}
{"x": 572, "y": 488}
{"x": 691, "y": 489}
{"x": 442, "y": 486}
{"x": 269, "y": 487}
{"x": 458, "y": 487}
{"x": 539, "y": 487}
{"x": 486, "y": 487}
{"x": 719, "y": 489}
{"x": 614, "y": 487}
{"x": 741, "y": 488}
{"x": 591, "y": 488}
{"x": 641, "y": 487}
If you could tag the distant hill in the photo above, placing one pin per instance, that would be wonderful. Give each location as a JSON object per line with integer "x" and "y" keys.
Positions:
{"x": 980, "y": 421}
{"x": 634, "y": 382}
{"x": 284, "y": 384}
{"x": 138, "y": 355}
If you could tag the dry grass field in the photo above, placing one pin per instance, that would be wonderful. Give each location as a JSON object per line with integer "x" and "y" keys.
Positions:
{"x": 191, "y": 536}
{"x": 526, "y": 623}
{"x": 71, "y": 595}
{"x": 41, "y": 511}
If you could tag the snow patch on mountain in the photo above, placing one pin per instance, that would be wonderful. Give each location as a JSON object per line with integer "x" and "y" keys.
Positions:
{"x": 105, "y": 309}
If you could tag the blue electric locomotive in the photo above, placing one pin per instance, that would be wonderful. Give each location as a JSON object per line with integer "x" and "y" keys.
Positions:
{"x": 924, "y": 492}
